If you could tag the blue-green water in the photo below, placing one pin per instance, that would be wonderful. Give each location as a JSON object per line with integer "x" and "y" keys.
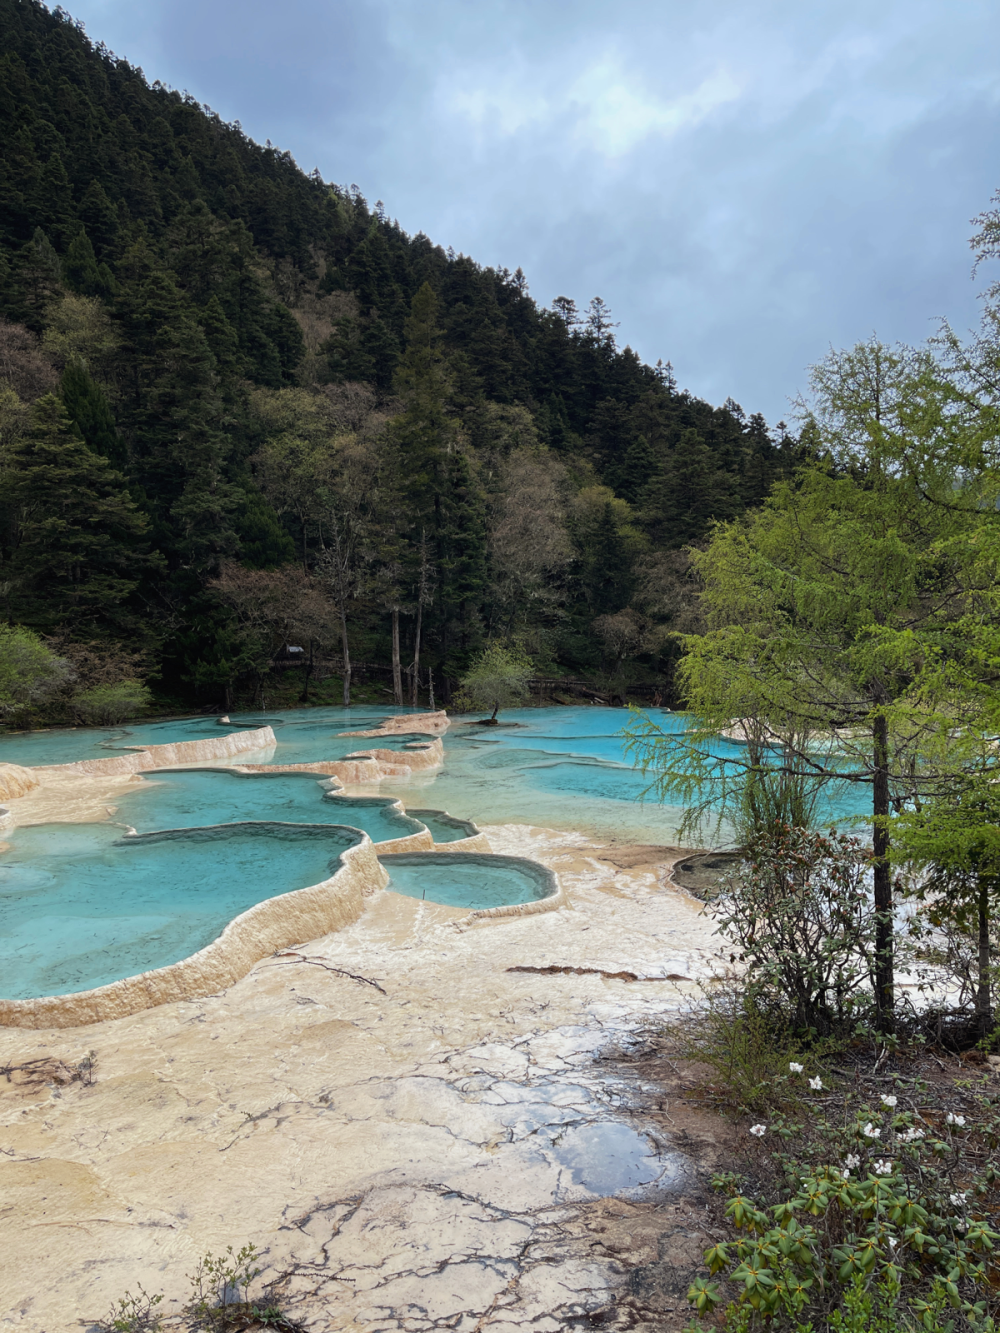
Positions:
{"x": 188, "y": 798}
{"x": 468, "y": 879}
{"x": 81, "y": 906}
{"x": 558, "y": 767}
{"x": 563, "y": 768}
{"x": 304, "y": 735}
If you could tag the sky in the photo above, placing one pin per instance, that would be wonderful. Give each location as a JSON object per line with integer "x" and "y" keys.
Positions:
{"x": 745, "y": 185}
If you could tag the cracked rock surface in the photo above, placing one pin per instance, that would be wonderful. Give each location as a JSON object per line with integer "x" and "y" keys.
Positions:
{"x": 452, "y": 1153}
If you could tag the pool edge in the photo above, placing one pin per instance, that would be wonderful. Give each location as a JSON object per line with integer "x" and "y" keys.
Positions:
{"x": 275, "y": 923}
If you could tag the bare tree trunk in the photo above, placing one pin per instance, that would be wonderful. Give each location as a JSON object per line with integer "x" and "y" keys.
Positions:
{"x": 430, "y": 688}
{"x": 304, "y": 696}
{"x": 421, "y": 598}
{"x": 984, "y": 1009}
{"x": 415, "y": 678}
{"x": 882, "y": 875}
{"x": 341, "y": 567}
{"x": 397, "y": 678}
{"x": 346, "y": 649}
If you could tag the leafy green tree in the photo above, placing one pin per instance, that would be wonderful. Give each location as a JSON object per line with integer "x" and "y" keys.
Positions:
{"x": 498, "y": 678}
{"x": 608, "y": 542}
{"x": 954, "y": 838}
{"x": 29, "y": 671}
{"x": 828, "y": 609}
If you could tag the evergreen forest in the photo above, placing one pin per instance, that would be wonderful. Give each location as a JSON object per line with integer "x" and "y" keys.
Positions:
{"x": 242, "y": 411}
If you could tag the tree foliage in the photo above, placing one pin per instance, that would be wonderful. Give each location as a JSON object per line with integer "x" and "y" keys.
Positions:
{"x": 497, "y": 679}
{"x": 218, "y": 325}
{"x": 29, "y": 671}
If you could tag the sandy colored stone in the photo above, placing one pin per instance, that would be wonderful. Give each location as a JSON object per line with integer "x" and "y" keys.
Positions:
{"x": 15, "y": 781}
{"x": 390, "y": 1153}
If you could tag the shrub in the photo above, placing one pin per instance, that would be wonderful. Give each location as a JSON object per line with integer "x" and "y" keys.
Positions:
{"x": 744, "y": 1042}
{"x": 799, "y": 911}
{"x": 109, "y": 705}
{"x": 884, "y": 1211}
{"x": 220, "y": 1300}
{"x": 133, "y": 1314}
{"x": 29, "y": 671}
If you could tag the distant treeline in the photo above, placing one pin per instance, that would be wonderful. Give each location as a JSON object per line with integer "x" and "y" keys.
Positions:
{"x": 240, "y": 407}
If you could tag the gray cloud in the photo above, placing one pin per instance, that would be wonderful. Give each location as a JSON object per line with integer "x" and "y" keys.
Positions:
{"x": 743, "y": 185}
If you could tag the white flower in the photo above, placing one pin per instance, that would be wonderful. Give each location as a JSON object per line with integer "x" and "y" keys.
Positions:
{"x": 889, "y": 1101}
{"x": 815, "y": 1084}
{"x": 852, "y": 1159}
{"x": 955, "y": 1119}
{"x": 758, "y": 1130}
{"x": 893, "y": 1242}
{"x": 958, "y": 1199}
{"x": 846, "y": 1174}
{"x": 911, "y": 1135}
{"x": 870, "y": 1132}
{"x": 794, "y": 1068}
{"x": 883, "y": 1167}
{"x": 960, "y": 1224}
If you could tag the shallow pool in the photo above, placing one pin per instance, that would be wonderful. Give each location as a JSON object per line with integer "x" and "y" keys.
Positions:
{"x": 557, "y": 767}
{"x": 187, "y": 798}
{"x": 81, "y": 905}
{"x": 563, "y": 768}
{"x": 304, "y": 735}
{"x": 473, "y": 880}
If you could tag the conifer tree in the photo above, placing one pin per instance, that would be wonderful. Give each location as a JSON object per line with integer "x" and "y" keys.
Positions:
{"x": 75, "y": 546}
{"x": 89, "y": 410}
{"x": 173, "y": 420}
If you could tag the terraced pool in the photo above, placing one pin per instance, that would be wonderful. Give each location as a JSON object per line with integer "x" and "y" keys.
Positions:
{"x": 475, "y": 881}
{"x": 81, "y": 905}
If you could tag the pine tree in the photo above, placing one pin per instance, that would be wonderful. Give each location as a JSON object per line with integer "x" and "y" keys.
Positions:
{"x": 173, "y": 420}
{"x": 37, "y": 278}
{"x": 75, "y": 546}
{"x": 89, "y": 410}
{"x": 100, "y": 217}
{"x": 689, "y": 492}
{"x": 83, "y": 273}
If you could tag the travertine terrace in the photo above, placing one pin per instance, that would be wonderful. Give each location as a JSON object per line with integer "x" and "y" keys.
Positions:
{"x": 404, "y": 1114}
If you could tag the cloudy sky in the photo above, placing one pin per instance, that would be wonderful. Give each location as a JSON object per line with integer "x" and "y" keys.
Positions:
{"x": 744, "y": 184}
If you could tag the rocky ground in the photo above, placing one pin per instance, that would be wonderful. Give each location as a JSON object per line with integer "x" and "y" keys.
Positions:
{"x": 422, "y": 1122}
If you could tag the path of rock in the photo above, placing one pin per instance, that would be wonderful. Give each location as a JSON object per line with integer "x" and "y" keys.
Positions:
{"x": 446, "y": 1154}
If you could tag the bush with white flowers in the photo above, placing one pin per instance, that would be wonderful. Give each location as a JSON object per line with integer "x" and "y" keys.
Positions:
{"x": 870, "y": 1213}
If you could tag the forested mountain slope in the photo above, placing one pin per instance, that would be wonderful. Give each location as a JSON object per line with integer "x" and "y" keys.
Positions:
{"x": 239, "y": 407}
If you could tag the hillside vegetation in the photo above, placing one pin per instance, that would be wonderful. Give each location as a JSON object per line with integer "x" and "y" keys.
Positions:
{"x": 241, "y": 408}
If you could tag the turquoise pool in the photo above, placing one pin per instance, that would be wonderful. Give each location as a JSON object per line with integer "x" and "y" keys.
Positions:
{"x": 470, "y": 880}
{"x": 304, "y": 735}
{"x": 563, "y": 768}
{"x": 558, "y": 767}
{"x": 188, "y": 798}
{"x": 81, "y": 905}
